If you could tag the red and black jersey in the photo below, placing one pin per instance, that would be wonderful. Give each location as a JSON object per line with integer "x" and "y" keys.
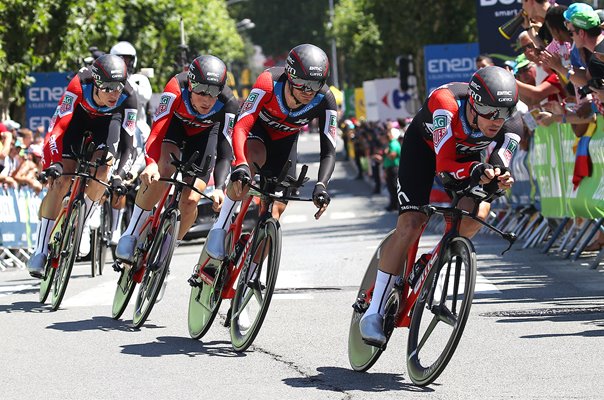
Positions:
{"x": 175, "y": 102}
{"x": 266, "y": 105}
{"x": 79, "y": 97}
{"x": 443, "y": 124}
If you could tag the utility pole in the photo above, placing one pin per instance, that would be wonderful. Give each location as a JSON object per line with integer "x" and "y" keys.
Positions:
{"x": 334, "y": 54}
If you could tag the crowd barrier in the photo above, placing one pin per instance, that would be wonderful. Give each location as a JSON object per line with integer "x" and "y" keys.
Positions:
{"x": 18, "y": 223}
{"x": 545, "y": 207}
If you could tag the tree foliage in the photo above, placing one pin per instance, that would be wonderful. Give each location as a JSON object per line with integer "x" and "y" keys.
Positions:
{"x": 54, "y": 35}
{"x": 370, "y": 34}
{"x": 281, "y": 25}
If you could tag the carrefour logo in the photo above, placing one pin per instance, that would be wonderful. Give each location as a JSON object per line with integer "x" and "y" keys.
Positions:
{"x": 447, "y": 65}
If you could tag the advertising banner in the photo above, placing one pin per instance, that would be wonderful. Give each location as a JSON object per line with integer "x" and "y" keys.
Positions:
{"x": 18, "y": 217}
{"x": 385, "y": 101}
{"x": 42, "y": 97}
{"x": 445, "y": 63}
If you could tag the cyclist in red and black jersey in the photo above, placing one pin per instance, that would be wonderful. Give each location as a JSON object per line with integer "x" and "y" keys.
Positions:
{"x": 196, "y": 113}
{"x": 281, "y": 102}
{"x": 448, "y": 136}
{"x": 100, "y": 100}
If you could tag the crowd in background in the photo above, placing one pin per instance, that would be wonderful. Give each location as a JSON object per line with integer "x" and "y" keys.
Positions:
{"x": 20, "y": 156}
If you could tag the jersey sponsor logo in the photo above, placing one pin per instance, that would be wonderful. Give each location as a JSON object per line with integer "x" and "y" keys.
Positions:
{"x": 66, "y": 106}
{"x": 52, "y": 145}
{"x": 331, "y": 124}
{"x": 165, "y": 103}
{"x": 440, "y": 124}
{"x": 129, "y": 123}
{"x": 472, "y": 148}
{"x": 509, "y": 150}
{"x": 229, "y": 125}
{"x": 277, "y": 125}
{"x": 249, "y": 102}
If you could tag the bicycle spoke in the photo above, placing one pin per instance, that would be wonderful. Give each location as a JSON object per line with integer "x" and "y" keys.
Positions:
{"x": 456, "y": 284}
{"x": 428, "y": 332}
{"x": 248, "y": 296}
{"x": 445, "y": 315}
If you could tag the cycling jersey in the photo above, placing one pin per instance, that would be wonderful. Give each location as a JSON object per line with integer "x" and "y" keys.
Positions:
{"x": 266, "y": 107}
{"x": 176, "y": 102}
{"x": 77, "y": 112}
{"x": 440, "y": 139}
{"x": 443, "y": 124}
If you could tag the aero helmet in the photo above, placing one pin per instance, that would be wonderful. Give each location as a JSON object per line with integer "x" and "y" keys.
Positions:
{"x": 307, "y": 67}
{"x": 109, "y": 72}
{"x": 125, "y": 49}
{"x": 207, "y": 75}
{"x": 493, "y": 93}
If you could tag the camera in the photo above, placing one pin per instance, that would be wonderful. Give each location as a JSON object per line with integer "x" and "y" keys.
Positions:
{"x": 597, "y": 83}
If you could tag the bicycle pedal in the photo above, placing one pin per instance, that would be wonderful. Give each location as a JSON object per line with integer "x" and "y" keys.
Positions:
{"x": 194, "y": 281}
{"x": 380, "y": 346}
{"x": 117, "y": 267}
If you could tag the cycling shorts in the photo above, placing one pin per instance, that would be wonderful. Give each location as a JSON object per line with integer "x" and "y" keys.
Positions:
{"x": 277, "y": 151}
{"x": 80, "y": 123}
{"x": 204, "y": 143}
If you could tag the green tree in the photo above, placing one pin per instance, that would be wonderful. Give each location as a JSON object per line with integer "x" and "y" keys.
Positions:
{"x": 370, "y": 34}
{"x": 281, "y": 25}
{"x": 54, "y": 35}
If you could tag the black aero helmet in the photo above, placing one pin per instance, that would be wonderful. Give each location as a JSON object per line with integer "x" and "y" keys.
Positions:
{"x": 493, "y": 93}
{"x": 207, "y": 75}
{"x": 109, "y": 72}
{"x": 307, "y": 67}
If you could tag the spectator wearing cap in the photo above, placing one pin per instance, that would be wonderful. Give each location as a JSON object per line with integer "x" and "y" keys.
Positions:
{"x": 535, "y": 11}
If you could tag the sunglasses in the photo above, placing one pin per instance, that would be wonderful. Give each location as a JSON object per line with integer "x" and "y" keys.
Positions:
{"x": 109, "y": 87}
{"x": 306, "y": 85}
{"x": 204, "y": 89}
{"x": 493, "y": 113}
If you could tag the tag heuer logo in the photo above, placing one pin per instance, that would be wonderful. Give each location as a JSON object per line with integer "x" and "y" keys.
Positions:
{"x": 440, "y": 121}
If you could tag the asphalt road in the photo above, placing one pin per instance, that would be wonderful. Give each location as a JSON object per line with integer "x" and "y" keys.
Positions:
{"x": 535, "y": 331}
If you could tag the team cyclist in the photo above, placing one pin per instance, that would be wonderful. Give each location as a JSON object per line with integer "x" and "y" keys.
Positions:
{"x": 282, "y": 101}
{"x": 196, "y": 112}
{"x": 455, "y": 124}
{"x": 100, "y": 100}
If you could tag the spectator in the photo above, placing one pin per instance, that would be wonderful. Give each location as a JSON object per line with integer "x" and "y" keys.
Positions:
{"x": 390, "y": 164}
{"x": 535, "y": 11}
{"x": 28, "y": 171}
{"x": 6, "y": 139}
{"x": 483, "y": 60}
{"x": 26, "y": 137}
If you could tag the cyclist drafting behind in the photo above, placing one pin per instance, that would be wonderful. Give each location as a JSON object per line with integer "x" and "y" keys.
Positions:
{"x": 142, "y": 87}
{"x": 281, "y": 102}
{"x": 97, "y": 99}
{"x": 196, "y": 113}
{"x": 455, "y": 124}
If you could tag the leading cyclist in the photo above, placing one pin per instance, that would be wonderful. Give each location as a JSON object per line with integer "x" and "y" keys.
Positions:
{"x": 281, "y": 102}
{"x": 447, "y": 136}
{"x": 100, "y": 100}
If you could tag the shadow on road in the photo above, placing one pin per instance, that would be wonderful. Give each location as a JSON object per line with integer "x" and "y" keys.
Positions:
{"x": 24, "y": 306}
{"x": 98, "y": 323}
{"x": 177, "y": 345}
{"x": 336, "y": 379}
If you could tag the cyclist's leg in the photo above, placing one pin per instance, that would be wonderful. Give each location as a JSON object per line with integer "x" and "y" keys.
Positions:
{"x": 118, "y": 207}
{"x": 416, "y": 174}
{"x": 149, "y": 195}
{"x": 469, "y": 227}
{"x": 255, "y": 151}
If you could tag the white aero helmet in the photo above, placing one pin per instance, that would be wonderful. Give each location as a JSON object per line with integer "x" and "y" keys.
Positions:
{"x": 125, "y": 49}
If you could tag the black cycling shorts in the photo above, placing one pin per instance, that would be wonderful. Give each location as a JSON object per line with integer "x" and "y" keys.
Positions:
{"x": 80, "y": 123}
{"x": 416, "y": 171}
{"x": 203, "y": 142}
{"x": 277, "y": 151}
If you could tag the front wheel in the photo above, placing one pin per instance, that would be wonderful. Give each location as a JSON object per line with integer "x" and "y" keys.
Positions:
{"x": 441, "y": 311}
{"x": 156, "y": 268}
{"x": 361, "y": 355}
{"x": 256, "y": 285}
{"x": 70, "y": 242}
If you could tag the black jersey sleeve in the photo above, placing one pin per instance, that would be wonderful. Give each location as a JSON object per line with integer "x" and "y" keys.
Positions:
{"x": 328, "y": 123}
{"x": 507, "y": 141}
{"x": 224, "y": 147}
{"x": 126, "y": 154}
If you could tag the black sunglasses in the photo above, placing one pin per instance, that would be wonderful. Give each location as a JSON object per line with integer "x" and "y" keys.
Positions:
{"x": 109, "y": 87}
{"x": 306, "y": 85}
{"x": 204, "y": 89}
